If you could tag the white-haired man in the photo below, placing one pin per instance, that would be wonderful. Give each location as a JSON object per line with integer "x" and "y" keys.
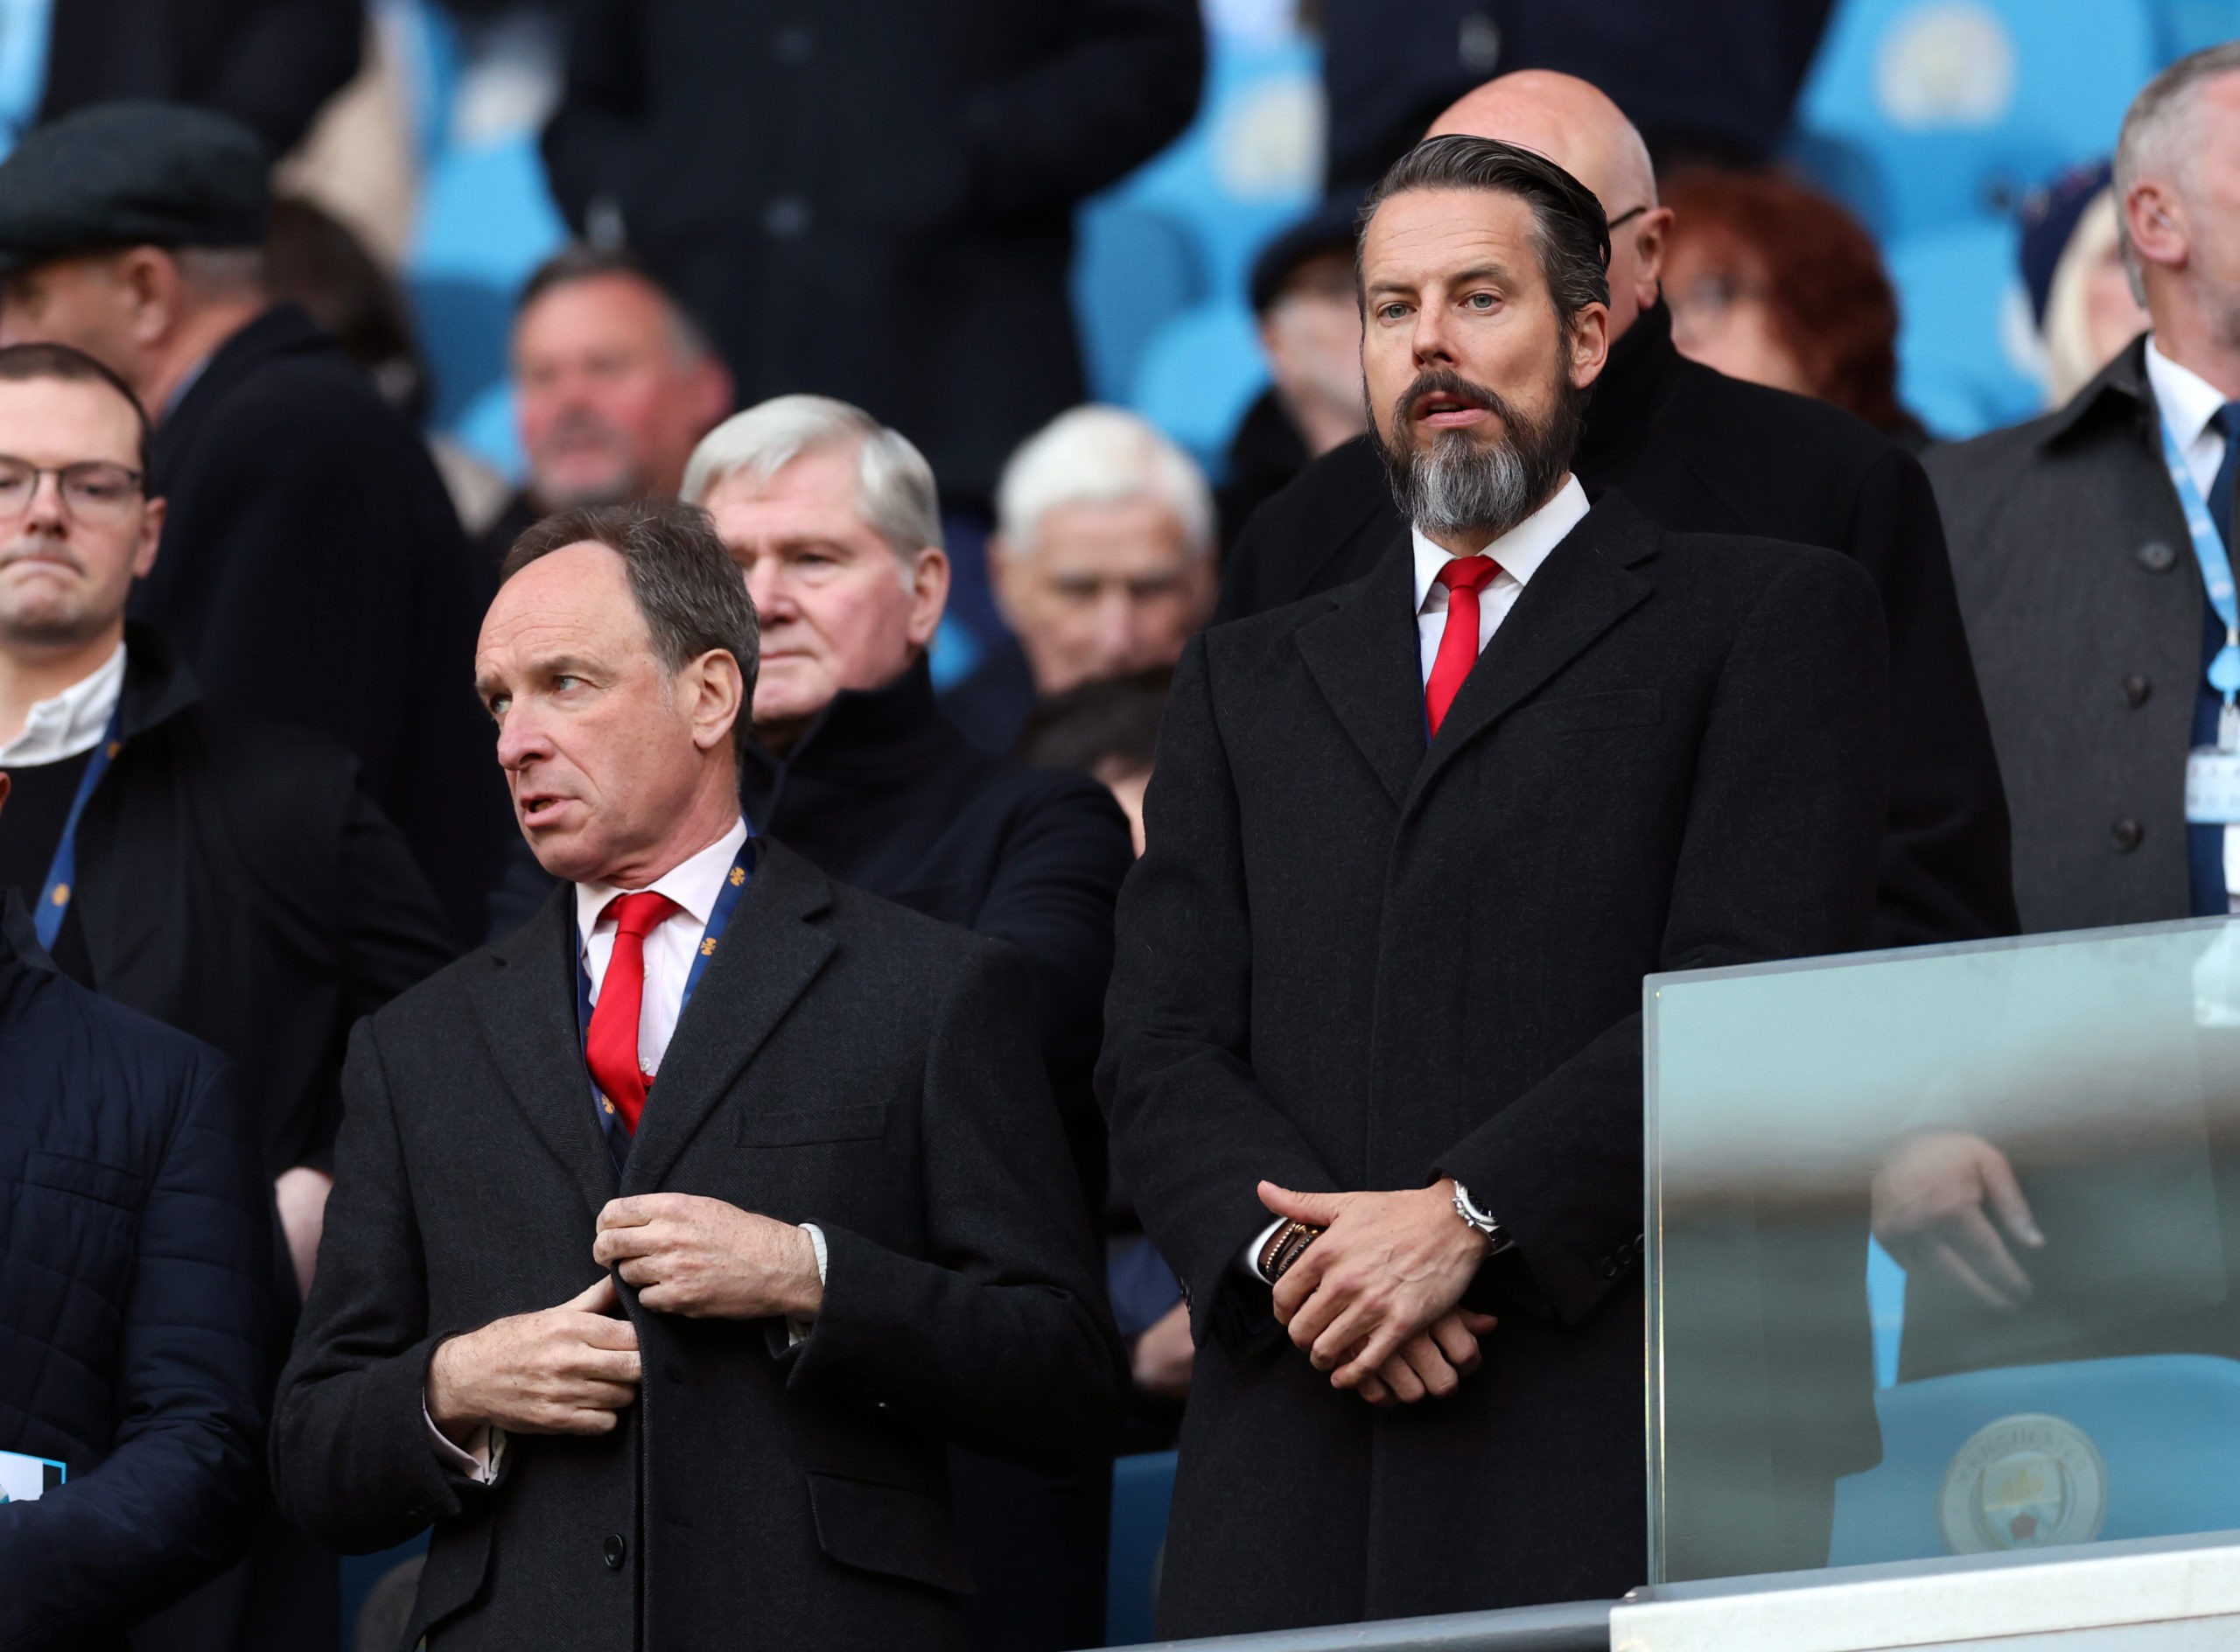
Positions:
{"x": 835, "y": 519}
{"x": 1102, "y": 564}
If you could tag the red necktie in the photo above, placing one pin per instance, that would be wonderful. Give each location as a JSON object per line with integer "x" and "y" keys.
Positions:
{"x": 1464, "y": 576}
{"x": 611, "y": 1044}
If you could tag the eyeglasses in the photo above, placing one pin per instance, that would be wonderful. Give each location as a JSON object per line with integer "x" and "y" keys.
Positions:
{"x": 95, "y": 492}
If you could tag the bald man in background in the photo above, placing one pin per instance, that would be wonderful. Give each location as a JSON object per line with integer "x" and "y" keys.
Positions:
{"x": 1699, "y": 453}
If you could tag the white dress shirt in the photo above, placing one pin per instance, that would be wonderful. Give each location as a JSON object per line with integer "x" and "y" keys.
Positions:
{"x": 2189, "y": 404}
{"x": 1519, "y": 552}
{"x": 64, "y": 725}
{"x": 671, "y": 946}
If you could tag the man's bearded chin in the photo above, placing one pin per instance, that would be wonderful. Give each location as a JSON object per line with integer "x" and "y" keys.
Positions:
{"x": 1460, "y": 484}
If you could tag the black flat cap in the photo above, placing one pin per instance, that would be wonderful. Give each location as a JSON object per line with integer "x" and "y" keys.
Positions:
{"x": 132, "y": 174}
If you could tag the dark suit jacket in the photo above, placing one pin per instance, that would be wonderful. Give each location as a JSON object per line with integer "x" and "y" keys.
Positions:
{"x": 1699, "y": 453}
{"x": 2083, "y": 605}
{"x": 235, "y": 883}
{"x": 1347, "y": 961}
{"x": 913, "y": 166}
{"x": 270, "y": 64}
{"x": 843, "y": 1061}
{"x": 313, "y": 573}
{"x": 136, "y": 1323}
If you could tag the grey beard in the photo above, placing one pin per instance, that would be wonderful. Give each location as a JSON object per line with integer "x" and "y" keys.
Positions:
{"x": 1457, "y": 486}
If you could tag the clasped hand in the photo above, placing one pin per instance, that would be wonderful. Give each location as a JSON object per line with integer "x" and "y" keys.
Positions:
{"x": 570, "y": 1369}
{"x": 1375, "y": 1300}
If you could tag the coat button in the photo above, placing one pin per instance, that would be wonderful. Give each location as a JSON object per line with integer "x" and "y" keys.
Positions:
{"x": 2127, "y": 834}
{"x": 2136, "y": 689}
{"x": 786, "y": 217}
{"x": 2157, "y": 557}
{"x": 613, "y": 1550}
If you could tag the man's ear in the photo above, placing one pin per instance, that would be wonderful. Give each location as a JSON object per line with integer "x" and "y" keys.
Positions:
{"x": 927, "y": 584}
{"x": 1589, "y": 344}
{"x": 721, "y": 700}
{"x": 152, "y": 536}
{"x": 2154, "y": 218}
{"x": 1652, "y": 235}
{"x": 150, "y": 279}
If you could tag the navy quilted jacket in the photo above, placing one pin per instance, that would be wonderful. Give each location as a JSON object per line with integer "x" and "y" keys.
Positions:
{"x": 135, "y": 1307}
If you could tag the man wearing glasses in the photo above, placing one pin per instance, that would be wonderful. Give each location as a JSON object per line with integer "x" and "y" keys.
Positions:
{"x": 231, "y": 880}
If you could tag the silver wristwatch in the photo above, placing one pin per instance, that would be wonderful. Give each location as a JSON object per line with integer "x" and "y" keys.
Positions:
{"x": 1497, "y": 1238}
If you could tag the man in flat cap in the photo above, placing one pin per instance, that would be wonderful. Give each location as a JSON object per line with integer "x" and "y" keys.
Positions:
{"x": 314, "y": 570}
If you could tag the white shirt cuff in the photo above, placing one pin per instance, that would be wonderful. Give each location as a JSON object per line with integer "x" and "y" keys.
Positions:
{"x": 797, "y": 1329}
{"x": 1250, "y": 1260}
{"x": 486, "y": 1448}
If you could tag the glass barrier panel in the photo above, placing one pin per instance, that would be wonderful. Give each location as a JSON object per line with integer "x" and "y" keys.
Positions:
{"x": 1941, "y": 1251}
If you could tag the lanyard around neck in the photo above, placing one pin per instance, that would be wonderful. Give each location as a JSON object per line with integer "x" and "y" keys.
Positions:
{"x": 61, "y": 885}
{"x": 2215, "y": 565}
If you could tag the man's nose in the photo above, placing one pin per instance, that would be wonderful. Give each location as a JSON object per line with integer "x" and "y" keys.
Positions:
{"x": 1429, "y": 342}
{"x": 768, "y": 589}
{"x": 520, "y": 739}
{"x": 1119, "y": 626}
{"x": 45, "y": 510}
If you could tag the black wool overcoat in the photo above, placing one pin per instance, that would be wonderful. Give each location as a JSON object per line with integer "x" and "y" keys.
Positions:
{"x": 313, "y": 573}
{"x": 844, "y": 1062}
{"x": 1347, "y": 961}
{"x": 1698, "y": 452}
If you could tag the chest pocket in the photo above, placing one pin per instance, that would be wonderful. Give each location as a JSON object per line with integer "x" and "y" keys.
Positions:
{"x": 1620, "y": 709}
{"x": 803, "y": 1126}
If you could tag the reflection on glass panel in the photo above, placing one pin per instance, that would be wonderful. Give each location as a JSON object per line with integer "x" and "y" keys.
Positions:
{"x": 1942, "y": 1251}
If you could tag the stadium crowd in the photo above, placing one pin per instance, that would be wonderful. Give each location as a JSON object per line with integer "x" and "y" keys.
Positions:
{"x": 527, "y": 1014}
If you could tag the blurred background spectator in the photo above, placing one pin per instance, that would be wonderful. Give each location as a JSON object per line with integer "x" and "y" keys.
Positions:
{"x": 1103, "y": 564}
{"x": 614, "y": 384}
{"x": 1772, "y": 282}
{"x": 1310, "y": 327}
{"x": 2081, "y": 295}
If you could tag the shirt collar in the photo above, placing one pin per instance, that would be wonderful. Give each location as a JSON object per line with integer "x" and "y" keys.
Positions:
{"x": 2188, "y": 401}
{"x": 64, "y": 725}
{"x": 693, "y": 883}
{"x": 1520, "y": 552}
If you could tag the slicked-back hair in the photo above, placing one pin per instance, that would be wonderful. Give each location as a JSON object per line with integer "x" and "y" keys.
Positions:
{"x": 1569, "y": 231}
{"x": 690, "y": 593}
{"x": 26, "y": 363}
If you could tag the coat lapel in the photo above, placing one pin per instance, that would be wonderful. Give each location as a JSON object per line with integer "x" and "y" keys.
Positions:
{"x": 1365, "y": 657}
{"x": 765, "y": 962}
{"x": 527, "y": 1009}
{"x": 1591, "y": 581}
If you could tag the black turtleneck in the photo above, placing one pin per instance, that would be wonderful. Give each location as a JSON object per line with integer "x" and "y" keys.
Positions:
{"x": 882, "y": 792}
{"x": 1700, "y": 452}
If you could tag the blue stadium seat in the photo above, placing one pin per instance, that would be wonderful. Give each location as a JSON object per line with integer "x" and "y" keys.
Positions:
{"x": 1142, "y": 1487}
{"x": 487, "y": 220}
{"x": 2187, "y": 25}
{"x": 1886, "y": 1310}
{"x": 1965, "y": 337}
{"x": 1945, "y": 111}
{"x": 2167, "y": 1427}
{"x": 1135, "y": 268}
{"x": 1199, "y": 375}
{"x": 1247, "y": 166}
